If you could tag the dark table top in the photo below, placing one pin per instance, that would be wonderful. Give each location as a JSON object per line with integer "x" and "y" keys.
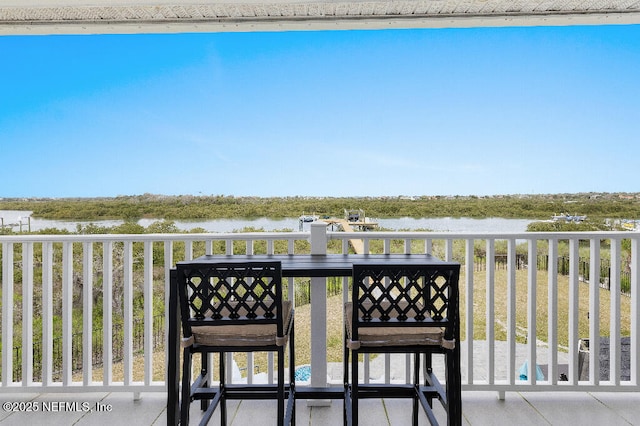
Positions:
{"x": 323, "y": 265}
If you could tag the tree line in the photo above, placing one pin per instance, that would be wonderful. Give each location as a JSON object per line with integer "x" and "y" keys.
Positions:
{"x": 535, "y": 207}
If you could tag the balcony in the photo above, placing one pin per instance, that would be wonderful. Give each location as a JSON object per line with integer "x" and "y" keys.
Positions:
{"x": 84, "y": 318}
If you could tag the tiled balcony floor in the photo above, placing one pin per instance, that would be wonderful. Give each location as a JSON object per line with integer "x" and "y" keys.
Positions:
{"x": 479, "y": 408}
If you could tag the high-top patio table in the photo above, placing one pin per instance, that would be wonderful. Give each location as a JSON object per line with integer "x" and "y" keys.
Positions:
{"x": 293, "y": 265}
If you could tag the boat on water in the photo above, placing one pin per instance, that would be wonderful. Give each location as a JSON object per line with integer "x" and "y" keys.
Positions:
{"x": 630, "y": 225}
{"x": 306, "y": 218}
{"x": 565, "y": 217}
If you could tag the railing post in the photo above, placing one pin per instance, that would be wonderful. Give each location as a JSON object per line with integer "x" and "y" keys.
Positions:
{"x": 552, "y": 301}
{"x": 574, "y": 373}
{"x": 47, "y": 313}
{"x": 7, "y": 313}
{"x": 614, "y": 322}
{"x": 318, "y": 313}
{"x": 318, "y": 238}
{"x": 67, "y": 313}
{"x": 490, "y": 297}
{"x": 87, "y": 312}
{"x": 27, "y": 313}
{"x": 532, "y": 330}
{"x": 635, "y": 311}
{"x": 512, "y": 266}
{"x": 469, "y": 306}
{"x": 594, "y": 311}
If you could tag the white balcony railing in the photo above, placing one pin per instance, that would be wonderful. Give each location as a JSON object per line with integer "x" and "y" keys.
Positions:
{"x": 512, "y": 308}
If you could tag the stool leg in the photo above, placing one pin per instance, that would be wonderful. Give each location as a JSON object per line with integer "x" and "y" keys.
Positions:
{"x": 186, "y": 386}
{"x": 416, "y": 386}
{"x": 292, "y": 373}
{"x": 354, "y": 388}
{"x": 223, "y": 399}
{"x": 281, "y": 384}
{"x": 453, "y": 387}
{"x": 204, "y": 404}
{"x": 428, "y": 369}
{"x": 345, "y": 379}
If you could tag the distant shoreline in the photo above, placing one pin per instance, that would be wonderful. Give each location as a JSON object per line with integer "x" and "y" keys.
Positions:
{"x": 596, "y": 206}
{"x": 148, "y": 196}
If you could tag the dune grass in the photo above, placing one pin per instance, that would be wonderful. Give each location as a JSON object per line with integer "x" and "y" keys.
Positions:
{"x": 500, "y": 303}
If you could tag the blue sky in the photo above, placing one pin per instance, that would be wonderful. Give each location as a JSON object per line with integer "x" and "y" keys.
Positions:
{"x": 342, "y": 113}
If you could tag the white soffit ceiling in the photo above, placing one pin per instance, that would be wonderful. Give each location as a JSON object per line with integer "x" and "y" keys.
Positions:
{"x": 163, "y": 16}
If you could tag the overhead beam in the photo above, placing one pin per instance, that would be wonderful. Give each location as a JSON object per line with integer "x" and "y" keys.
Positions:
{"x": 41, "y": 17}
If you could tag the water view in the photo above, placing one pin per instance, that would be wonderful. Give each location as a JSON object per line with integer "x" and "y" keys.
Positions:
{"x": 22, "y": 221}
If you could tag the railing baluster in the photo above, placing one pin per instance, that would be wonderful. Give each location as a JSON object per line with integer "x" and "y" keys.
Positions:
{"x": 531, "y": 310}
{"x": 27, "y": 313}
{"x": 107, "y": 313}
{"x": 67, "y": 312}
{"x": 128, "y": 312}
{"x": 47, "y": 313}
{"x": 168, "y": 264}
{"x": 7, "y": 314}
{"x": 87, "y": 312}
{"x": 367, "y": 368}
{"x": 188, "y": 250}
{"x": 490, "y": 318}
{"x": 614, "y": 313}
{"x": 229, "y": 355}
{"x": 270, "y": 356}
{"x": 448, "y": 253}
{"x": 511, "y": 311}
{"x": 594, "y": 311}
{"x": 574, "y": 298}
{"x": 469, "y": 260}
{"x": 148, "y": 312}
{"x": 635, "y": 311}
{"x": 7, "y": 374}
{"x": 249, "y": 355}
{"x": 552, "y": 296}
{"x": 407, "y": 358}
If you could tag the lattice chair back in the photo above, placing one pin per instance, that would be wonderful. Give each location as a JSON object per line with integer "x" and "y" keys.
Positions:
{"x": 421, "y": 296}
{"x": 231, "y": 294}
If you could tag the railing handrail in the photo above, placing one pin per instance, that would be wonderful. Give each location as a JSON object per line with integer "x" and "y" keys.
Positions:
{"x": 301, "y": 235}
{"x": 584, "y": 235}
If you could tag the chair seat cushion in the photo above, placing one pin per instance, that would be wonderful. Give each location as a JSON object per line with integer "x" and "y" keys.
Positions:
{"x": 386, "y": 334}
{"x": 251, "y": 334}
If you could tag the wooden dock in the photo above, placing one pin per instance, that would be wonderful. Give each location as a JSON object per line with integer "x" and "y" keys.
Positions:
{"x": 356, "y": 244}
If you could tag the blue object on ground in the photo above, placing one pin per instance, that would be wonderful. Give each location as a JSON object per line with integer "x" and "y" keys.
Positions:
{"x": 524, "y": 370}
{"x": 303, "y": 374}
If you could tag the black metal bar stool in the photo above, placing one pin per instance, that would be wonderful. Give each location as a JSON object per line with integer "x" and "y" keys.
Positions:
{"x": 234, "y": 307}
{"x": 405, "y": 309}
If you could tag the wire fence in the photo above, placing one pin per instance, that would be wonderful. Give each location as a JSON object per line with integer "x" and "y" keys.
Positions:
{"x": 97, "y": 348}
{"x": 584, "y": 269}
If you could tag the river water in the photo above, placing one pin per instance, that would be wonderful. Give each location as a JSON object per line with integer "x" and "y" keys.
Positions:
{"x": 14, "y": 218}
